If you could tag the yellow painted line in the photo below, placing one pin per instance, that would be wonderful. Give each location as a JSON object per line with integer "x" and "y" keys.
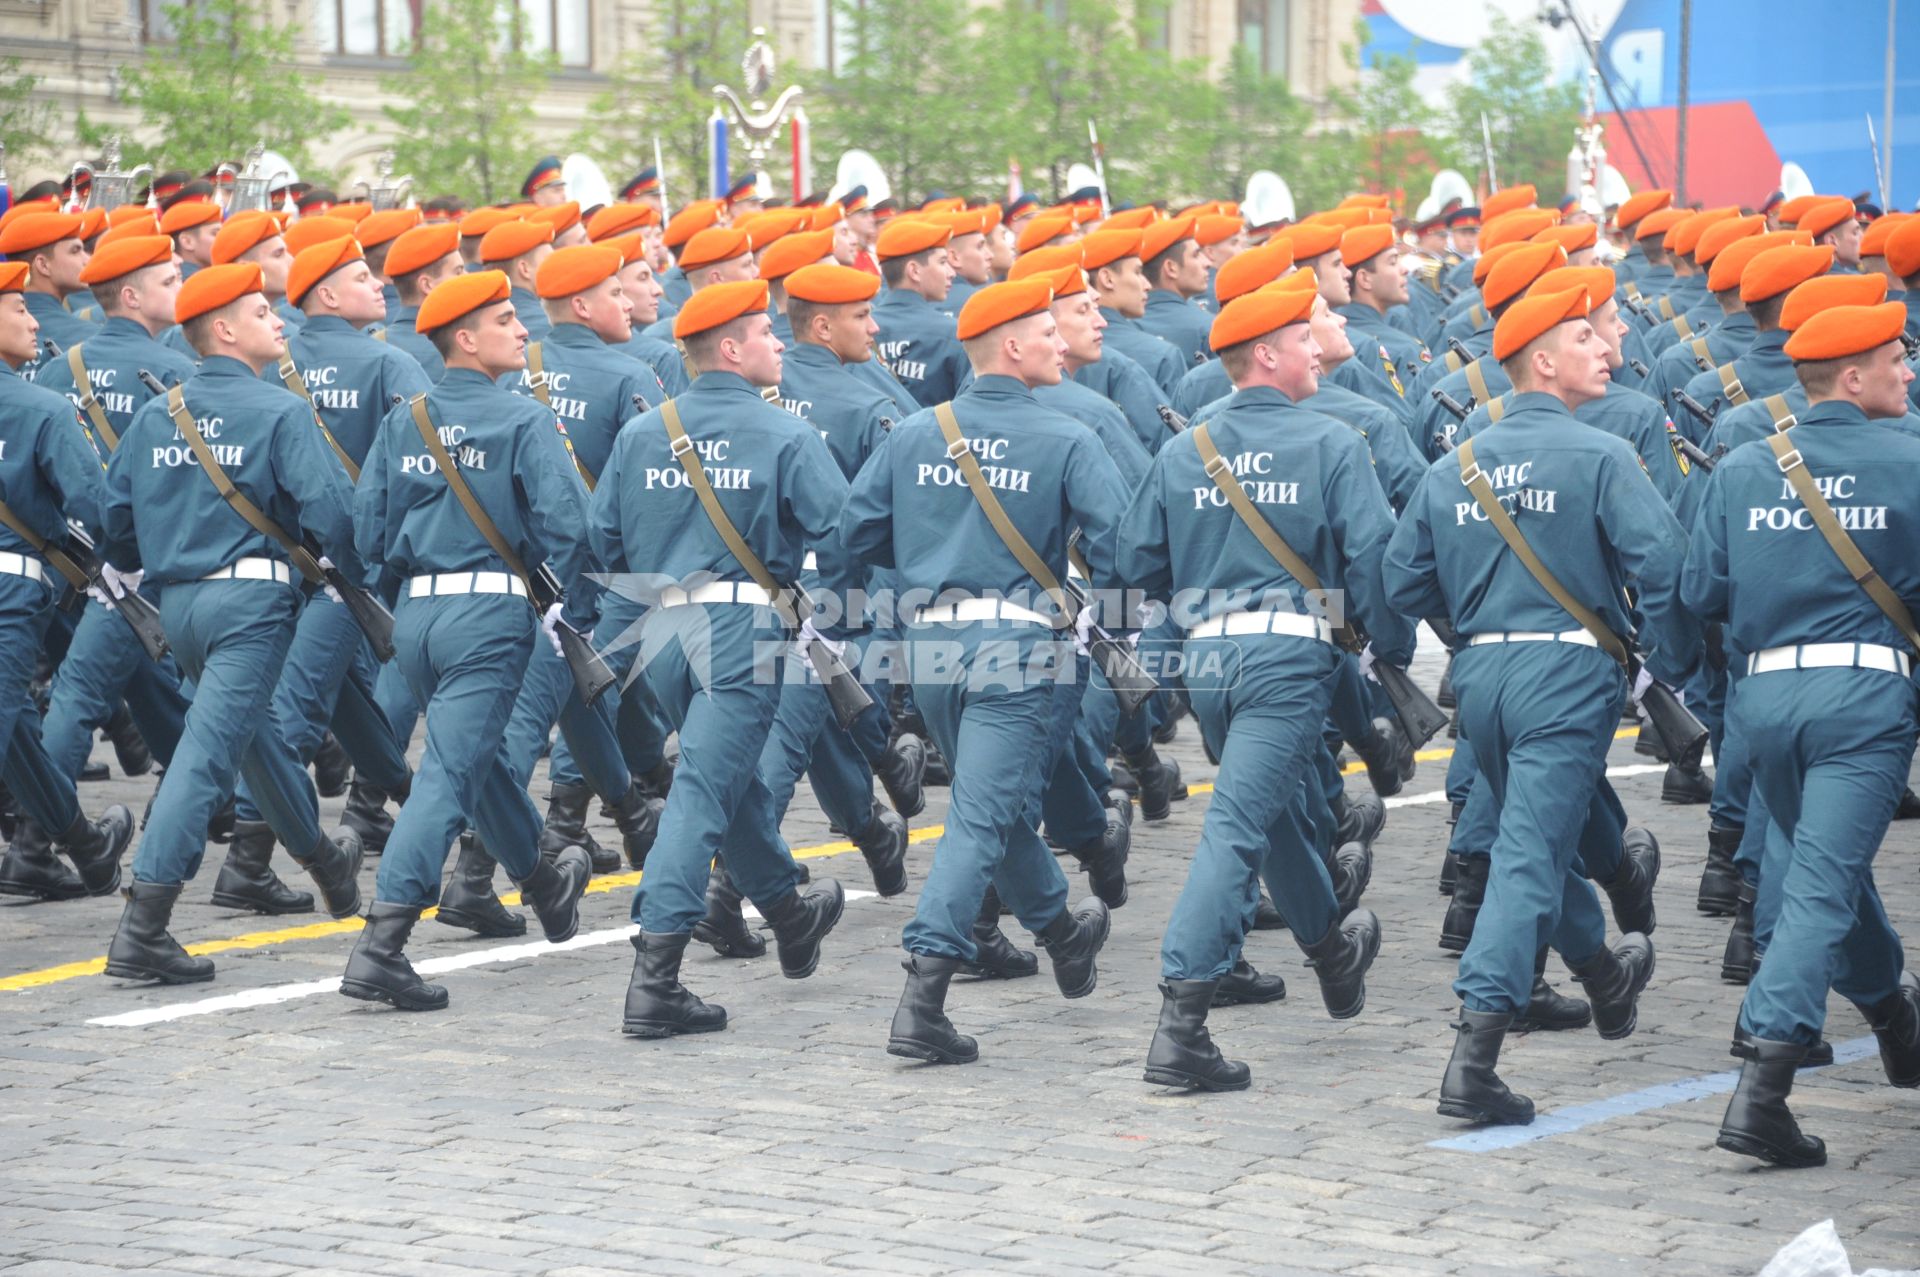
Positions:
{"x": 608, "y": 882}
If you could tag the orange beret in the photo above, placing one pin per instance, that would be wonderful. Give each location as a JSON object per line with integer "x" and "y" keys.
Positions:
{"x": 459, "y": 297}
{"x": 1531, "y": 317}
{"x": 188, "y": 214}
{"x": 1515, "y": 272}
{"x": 1364, "y": 243}
{"x": 1779, "y": 269}
{"x": 1715, "y": 238}
{"x": 559, "y": 216}
{"x": 1044, "y": 261}
{"x": 1258, "y": 313}
{"x": 1823, "y": 292}
{"x": 125, "y": 256}
{"x": 1598, "y": 281}
{"x": 765, "y": 227}
{"x": 1658, "y": 222}
{"x": 1084, "y": 213}
{"x": 1105, "y": 247}
{"x": 719, "y": 304}
{"x": 352, "y": 210}
{"x": 1133, "y": 219}
{"x": 1873, "y": 239}
{"x": 509, "y": 240}
{"x": 133, "y": 213}
{"x": 690, "y": 221}
{"x": 1823, "y": 215}
{"x": 421, "y": 246}
{"x": 905, "y": 236}
{"x": 13, "y": 277}
{"x": 212, "y": 287}
{"x": 19, "y": 211}
{"x": 791, "y": 252}
{"x": 1364, "y": 199}
{"x": 714, "y": 245}
{"x": 1903, "y": 248}
{"x": 1790, "y": 210}
{"x": 1639, "y": 204}
{"x": 32, "y": 231}
{"x": 385, "y": 226}
{"x": 574, "y": 270}
{"x": 1311, "y": 240}
{"x": 1514, "y": 197}
{"x": 1843, "y": 331}
{"x": 830, "y": 284}
{"x": 619, "y": 219}
{"x": 482, "y": 220}
{"x": 945, "y": 204}
{"x": 312, "y": 265}
{"x": 242, "y": 232}
{"x": 1571, "y": 239}
{"x": 92, "y": 222}
{"x": 308, "y": 231}
{"x": 126, "y": 230}
{"x": 964, "y": 221}
{"x": 1046, "y": 226}
{"x": 1685, "y": 236}
{"x": 1251, "y": 269}
{"x": 998, "y": 304}
{"x": 1302, "y": 280}
{"x": 1489, "y": 259}
{"x": 1066, "y": 281}
{"x": 1732, "y": 260}
{"x": 1163, "y": 235}
{"x": 1213, "y": 228}
{"x": 632, "y": 247}
{"x": 828, "y": 216}
{"x": 1515, "y": 227}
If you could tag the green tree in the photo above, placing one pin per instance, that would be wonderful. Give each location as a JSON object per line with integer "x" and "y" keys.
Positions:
{"x": 227, "y": 83}
{"x": 465, "y": 127}
{"x": 1530, "y": 119}
{"x": 1256, "y": 123}
{"x": 26, "y": 118}
{"x": 1386, "y": 133}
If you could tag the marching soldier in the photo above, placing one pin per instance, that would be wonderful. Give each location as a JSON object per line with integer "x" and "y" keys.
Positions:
{"x": 917, "y": 341}
{"x": 1634, "y": 262}
{"x": 255, "y": 237}
{"x": 1377, "y": 279}
{"x": 1833, "y": 222}
{"x": 1763, "y": 368}
{"x": 1176, "y": 273}
{"x": 49, "y": 245}
{"x": 1730, "y": 334}
{"x": 969, "y": 254}
{"x": 1463, "y": 246}
{"x": 193, "y": 223}
{"x": 544, "y": 186}
{"x": 1118, "y": 278}
{"x": 377, "y": 234}
{"x": 1208, "y": 384}
{"x": 716, "y": 255}
{"x": 1706, "y": 309}
{"x": 1220, "y": 236}
{"x": 473, "y": 228}
{"x": 516, "y": 249}
{"x": 417, "y": 262}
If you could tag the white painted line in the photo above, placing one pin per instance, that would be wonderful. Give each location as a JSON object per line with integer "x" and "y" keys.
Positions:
{"x": 1613, "y": 773}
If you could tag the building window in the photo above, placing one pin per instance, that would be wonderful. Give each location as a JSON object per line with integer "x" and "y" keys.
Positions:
{"x": 1263, "y": 30}
{"x": 365, "y": 28}
{"x": 562, "y": 28}
{"x": 155, "y": 25}
{"x": 1153, "y": 20}
{"x": 836, "y": 28}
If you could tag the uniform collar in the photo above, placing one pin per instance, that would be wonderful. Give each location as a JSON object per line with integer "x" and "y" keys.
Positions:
{"x": 1114, "y": 317}
{"x": 1831, "y": 412}
{"x": 808, "y": 354}
{"x": 6, "y": 370}
{"x": 45, "y": 302}
{"x": 1771, "y": 342}
{"x": 726, "y": 383}
{"x": 121, "y": 326}
{"x": 522, "y": 299}
{"x": 905, "y": 297}
{"x": 404, "y": 317}
{"x": 321, "y": 324}
{"x": 1359, "y": 313}
{"x": 225, "y": 366}
{"x": 471, "y": 378}
{"x": 578, "y": 336}
{"x": 1536, "y": 401}
{"x": 1739, "y": 322}
{"x": 1164, "y": 297}
{"x": 1250, "y": 396}
{"x": 997, "y": 386}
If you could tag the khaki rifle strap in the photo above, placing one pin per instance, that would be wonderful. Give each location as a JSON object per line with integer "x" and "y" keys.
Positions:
{"x": 476, "y": 512}
{"x": 1453, "y": 362}
{"x": 1666, "y": 308}
{"x": 1702, "y": 352}
{"x": 1476, "y": 482}
{"x": 53, "y": 554}
{"x": 1496, "y": 409}
{"x": 298, "y": 385}
{"x": 689, "y": 458}
{"x": 537, "y": 373}
{"x": 223, "y": 484}
{"x": 969, "y": 466}
{"x": 1863, "y": 573}
{"x": 1730, "y": 384}
{"x": 1477, "y": 383}
{"x": 1476, "y": 315}
{"x": 1682, "y": 329}
{"x": 381, "y": 335}
{"x": 1783, "y": 418}
{"x": 83, "y": 386}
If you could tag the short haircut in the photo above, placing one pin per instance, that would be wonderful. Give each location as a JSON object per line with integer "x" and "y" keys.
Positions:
{"x": 1766, "y": 311}
{"x": 408, "y": 285}
{"x": 199, "y": 331}
{"x": 703, "y": 348}
{"x": 442, "y": 337}
{"x": 1519, "y": 366}
{"x": 1819, "y": 375}
{"x": 801, "y": 313}
{"x": 894, "y": 269}
{"x": 1237, "y": 359}
{"x": 1154, "y": 263}
{"x": 376, "y": 257}
{"x": 107, "y": 291}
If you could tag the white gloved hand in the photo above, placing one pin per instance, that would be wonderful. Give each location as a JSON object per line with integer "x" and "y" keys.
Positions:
{"x": 326, "y": 564}
{"x": 550, "y": 622}
{"x": 1641, "y": 683}
{"x": 1366, "y": 663}
{"x": 116, "y": 583}
{"x": 1083, "y": 631}
{"x": 808, "y": 636}
{"x": 332, "y": 594}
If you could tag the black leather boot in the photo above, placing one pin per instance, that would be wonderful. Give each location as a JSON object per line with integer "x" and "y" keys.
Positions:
{"x": 657, "y": 780}
{"x": 1159, "y": 781}
{"x": 921, "y": 1030}
{"x": 1106, "y": 861}
{"x": 1352, "y": 870}
{"x": 1548, "y": 1010}
{"x": 30, "y": 867}
{"x": 1720, "y": 881}
{"x": 725, "y": 926}
{"x": 142, "y": 949}
{"x": 1736, "y": 960}
{"x": 658, "y": 1005}
{"x": 637, "y": 817}
{"x": 1758, "y": 1122}
{"x": 1908, "y": 808}
{"x": 247, "y": 880}
{"x": 1896, "y": 1022}
{"x": 800, "y": 923}
{"x": 1470, "y": 1088}
{"x": 468, "y": 901}
{"x": 1359, "y": 818}
{"x": 937, "y": 772}
{"x": 1245, "y": 986}
{"x": 378, "y": 970}
{"x": 331, "y": 767}
{"x": 1073, "y": 941}
{"x": 1818, "y": 1056}
{"x": 366, "y": 814}
{"x": 334, "y": 866}
{"x": 1631, "y": 887}
{"x": 553, "y": 890}
{"x": 1684, "y": 788}
{"x": 1267, "y": 915}
{"x": 1647, "y": 744}
{"x": 1340, "y": 960}
{"x": 1450, "y": 863}
{"x": 219, "y": 825}
{"x": 566, "y": 826}
{"x": 902, "y": 771}
{"x": 129, "y": 747}
{"x": 95, "y": 848}
{"x": 1387, "y": 754}
{"x": 883, "y": 844}
{"x": 1613, "y": 979}
{"x": 1183, "y": 1054}
{"x": 1469, "y": 892}
{"x": 994, "y": 956}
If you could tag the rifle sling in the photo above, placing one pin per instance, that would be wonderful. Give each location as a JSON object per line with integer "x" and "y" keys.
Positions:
{"x": 1477, "y": 382}
{"x": 476, "y": 512}
{"x": 1783, "y": 418}
{"x": 296, "y": 553}
{"x": 1863, "y": 573}
{"x": 969, "y": 466}
{"x": 83, "y": 385}
{"x": 53, "y": 554}
{"x": 290, "y": 375}
{"x": 689, "y": 458}
{"x": 1476, "y": 482}
{"x": 1730, "y": 383}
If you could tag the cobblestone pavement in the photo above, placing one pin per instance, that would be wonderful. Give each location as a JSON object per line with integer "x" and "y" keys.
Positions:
{"x": 519, "y": 1132}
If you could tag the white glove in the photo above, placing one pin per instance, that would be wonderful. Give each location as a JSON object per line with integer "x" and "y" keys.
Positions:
{"x": 1366, "y": 663}
{"x": 808, "y": 636}
{"x": 326, "y": 564}
{"x": 332, "y": 593}
{"x": 116, "y": 583}
{"x": 550, "y": 622}
{"x": 1083, "y": 631}
{"x": 1641, "y": 683}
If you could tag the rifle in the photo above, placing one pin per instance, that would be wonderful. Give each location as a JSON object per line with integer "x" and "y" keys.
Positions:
{"x": 1130, "y": 681}
{"x": 1172, "y": 420}
{"x": 1639, "y": 368}
{"x": 1639, "y": 308}
{"x": 1459, "y": 348}
{"x": 845, "y": 693}
{"x": 591, "y": 675}
{"x": 1419, "y": 717}
{"x": 53, "y": 350}
{"x": 140, "y": 615}
{"x": 1694, "y": 452}
{"x": 1693, "y": 406}
{"x": 1452, "y": 405}
{"x": 1680, "y": 733}
{"x": 368, "y": 612}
